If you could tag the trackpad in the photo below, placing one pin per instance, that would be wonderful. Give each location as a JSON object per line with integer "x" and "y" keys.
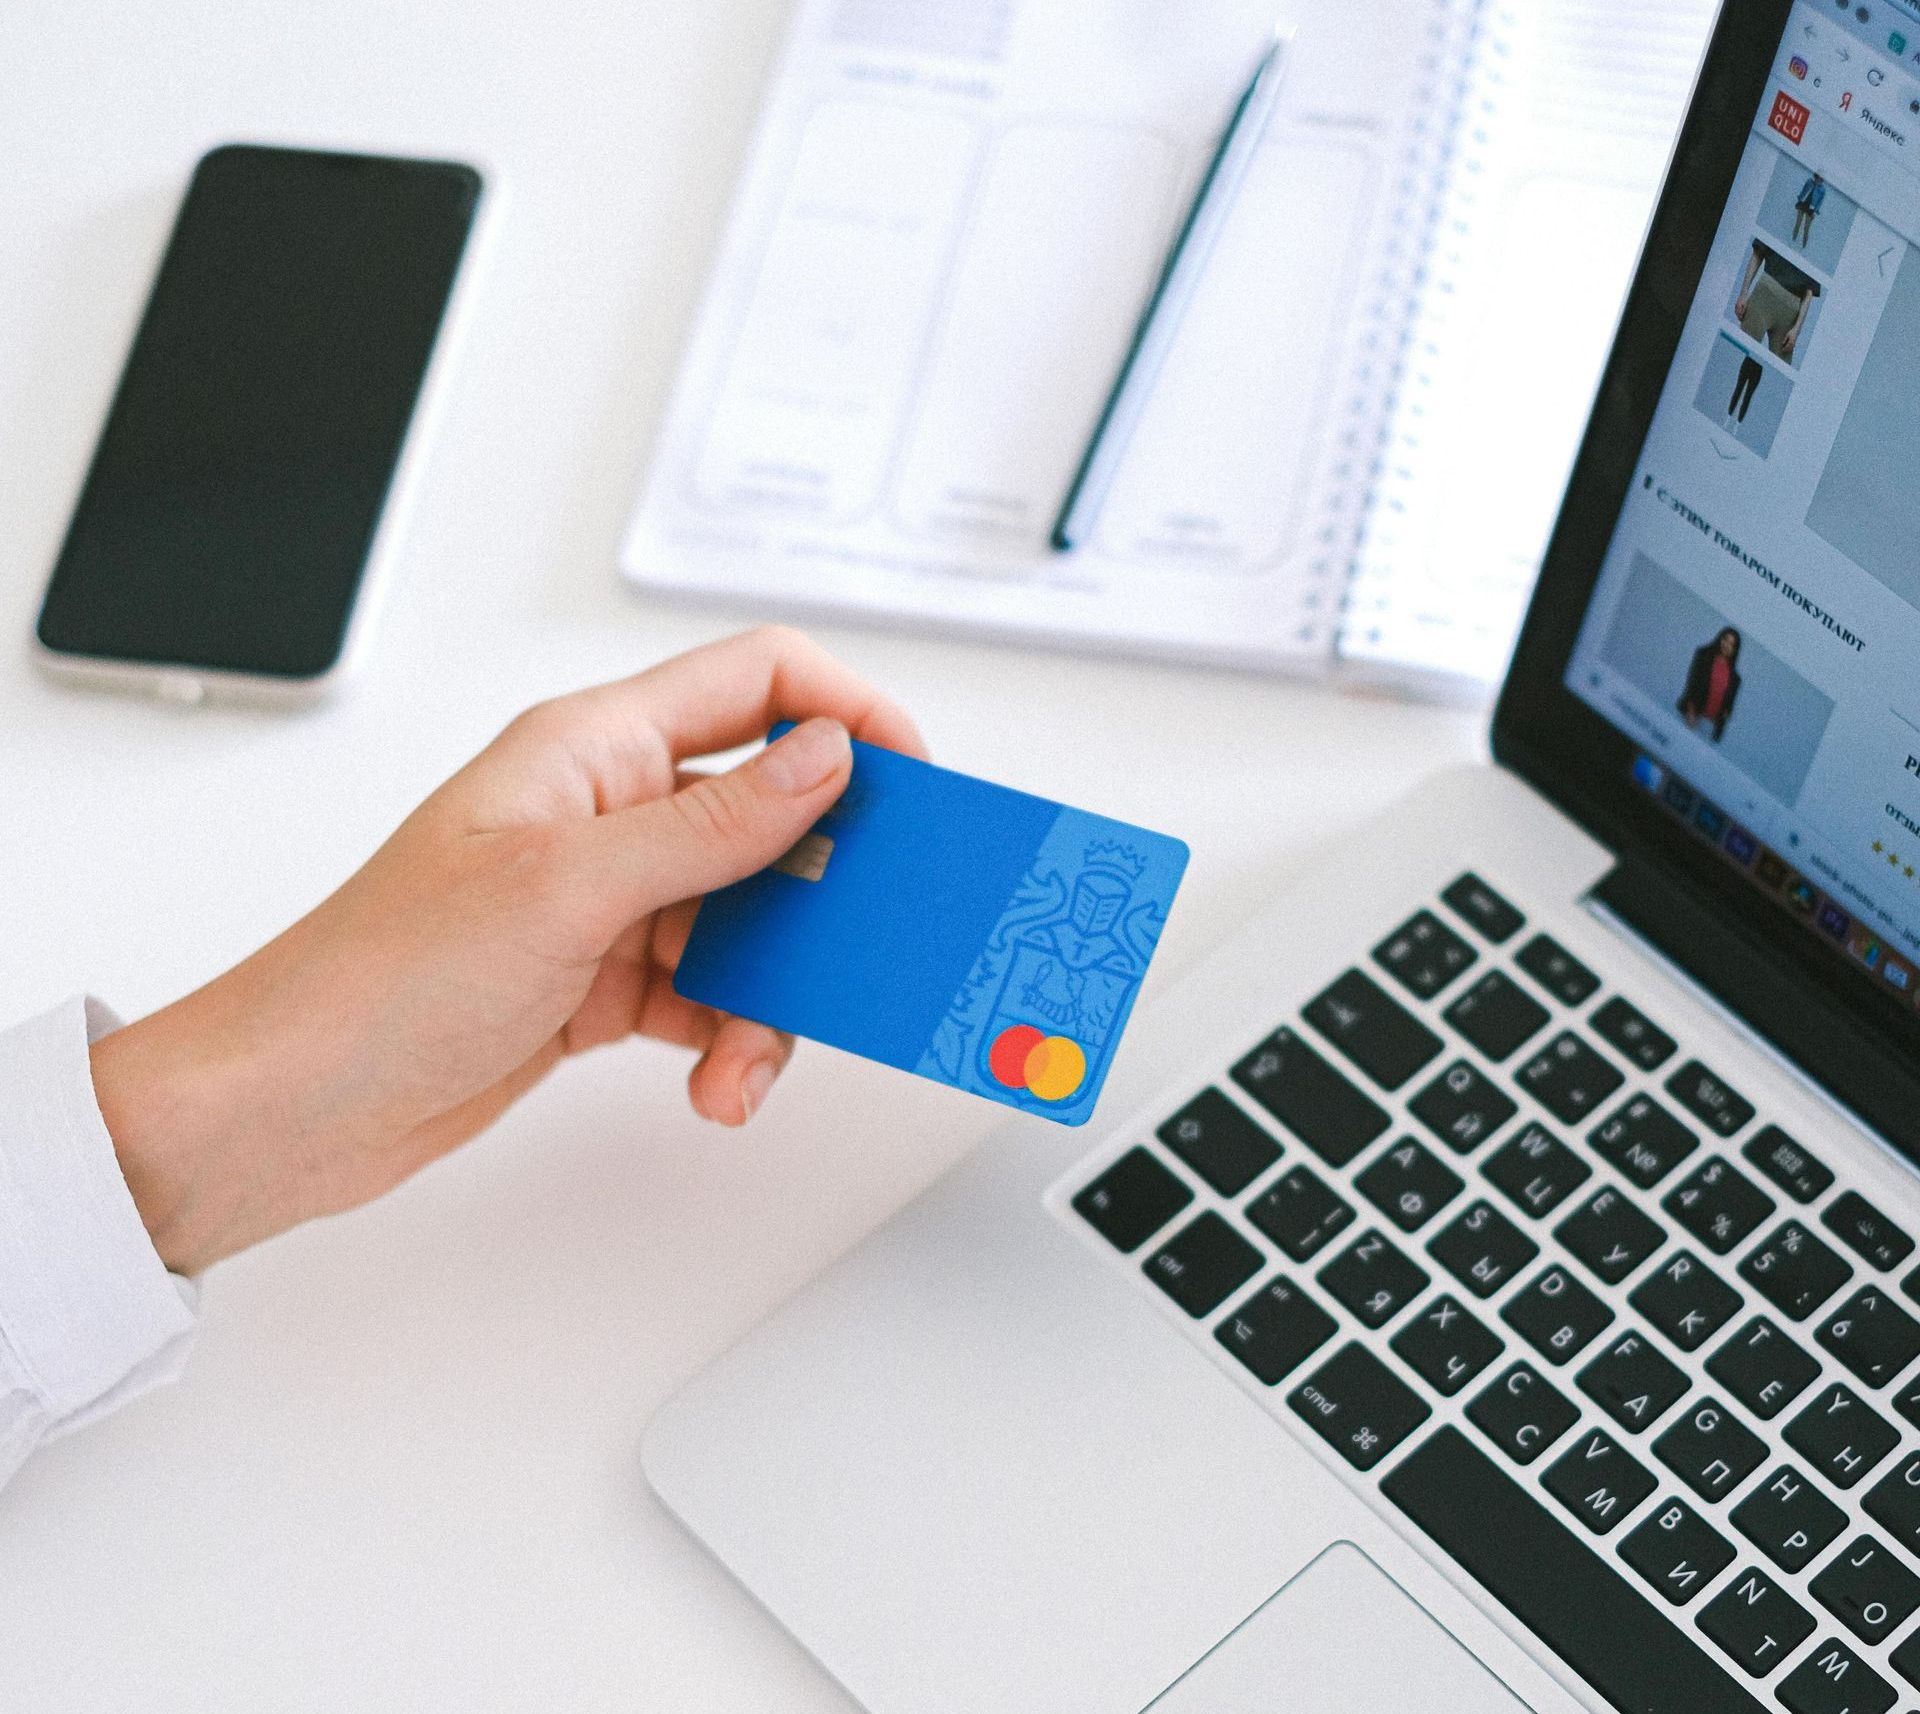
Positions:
{"x": 1341, "y": 1636}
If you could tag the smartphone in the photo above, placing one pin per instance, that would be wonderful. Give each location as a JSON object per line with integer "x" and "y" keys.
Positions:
{"x": 230, "y": 534}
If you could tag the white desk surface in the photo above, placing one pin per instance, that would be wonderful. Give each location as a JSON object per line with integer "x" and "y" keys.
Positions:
{"x": 401, "y": 1472}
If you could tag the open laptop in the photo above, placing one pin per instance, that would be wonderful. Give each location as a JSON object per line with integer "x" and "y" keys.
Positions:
{"x": 1492, "y": 1284}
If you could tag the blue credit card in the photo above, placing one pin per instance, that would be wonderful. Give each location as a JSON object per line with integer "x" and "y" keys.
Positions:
{"x": 974, "y": 935}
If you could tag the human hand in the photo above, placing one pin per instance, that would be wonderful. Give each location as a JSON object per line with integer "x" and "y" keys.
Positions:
{"x": 1740, "y": 309}
{"x": 534, "y": 906}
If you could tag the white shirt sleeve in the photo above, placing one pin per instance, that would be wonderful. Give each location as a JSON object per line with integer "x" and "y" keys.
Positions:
{"x": 89, "y": 1315}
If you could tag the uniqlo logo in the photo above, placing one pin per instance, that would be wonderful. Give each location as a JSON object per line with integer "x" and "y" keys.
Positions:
{"x": 1788, "y": 117}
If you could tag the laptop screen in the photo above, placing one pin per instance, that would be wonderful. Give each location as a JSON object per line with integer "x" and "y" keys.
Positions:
{"x": 1754, "y": 629}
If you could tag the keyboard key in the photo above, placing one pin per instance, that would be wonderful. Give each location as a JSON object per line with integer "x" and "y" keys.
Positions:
{"x": 1789, "y": 1165}
{"x": 1569, "y": 1079}
{"x": 1756, "y": 1621}
{"x": 1299, "y": 1213}
{"x": 1522, "y": 1414}
{"x": 1873, "y": 1337}
{"x": 1557, "y": 970}
{"x": 1893, "y": 1502}
{"x": 1639, "y": 1040}
{"x": 1537, "y": 1170}
{"x": 1763, "y": 1368}
{"x": 1685, "y": 1300}
{"x": 1580, "y": 1606}
{"x": 1598, "y": 1481}
{"x": 1677, "y": 1551}
{"x": 1867, "y": 1588}
{"x": 1632, "y": 1382}
{"x": 1483, "y": 1249}
{"x": 1373, "y": 1279}
{"x": 1409, "y": 1184}
{"x": 1788, "y": 1519}
{"x": 1610, "y": 1235}
{"x": 1839, "y": 1436}
{"x": 1462, "y": 1108}
{"x": 1644, "y": 1141}
{"x": 1132, "y": 1200}
{"x": 1373, "y": 1029}
{"x": 1556, "y": 1315}
{"x": 1834, "y": 1680}
{"x": 1203, "y": 1264}
{"x": 1905, "y": 1660}
{"x": 1479, "y": 905}
{"x": 1424, "y": 955}
{"x": 1716, "y": 1104}
{"x": 1717, "y": 1205}
{"x": 1358, "y": 1407}
{"x": 1310, "y": 1098}
{"x": 1866, "y": 1231}
{"x": 1709, "y": 1451}
{"x": 1219, "y": 1142}
{"x": 1905, "y": 1398}
{"x": 1276, "y": 1330}
{"x": 1497, "y": 1015}
{"x": 1794, "y": 1271}
{"x": 1445, "y": 1345}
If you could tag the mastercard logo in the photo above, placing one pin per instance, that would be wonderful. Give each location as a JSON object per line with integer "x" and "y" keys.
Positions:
{"x": 1051, "y": 1067}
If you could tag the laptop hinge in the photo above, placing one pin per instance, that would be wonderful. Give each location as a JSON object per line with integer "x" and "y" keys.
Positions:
{"x": 1814, "y": 1037}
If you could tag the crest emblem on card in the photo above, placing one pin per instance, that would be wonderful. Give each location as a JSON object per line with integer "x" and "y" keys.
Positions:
{"x": 1062, "y": 968}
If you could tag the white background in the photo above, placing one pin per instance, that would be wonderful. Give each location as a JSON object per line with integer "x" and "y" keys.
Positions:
{"x": 402, "y": 1471}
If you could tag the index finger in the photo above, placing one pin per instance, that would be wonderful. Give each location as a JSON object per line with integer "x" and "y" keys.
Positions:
{"x": 727, "y": 693}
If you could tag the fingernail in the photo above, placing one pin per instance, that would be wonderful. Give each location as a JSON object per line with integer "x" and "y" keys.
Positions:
{"x": 756, "y": 1084}
{"x": 808, "y": 756}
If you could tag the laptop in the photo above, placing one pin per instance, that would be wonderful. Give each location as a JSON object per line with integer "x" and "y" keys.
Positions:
{"x": 1490, "y": 1282}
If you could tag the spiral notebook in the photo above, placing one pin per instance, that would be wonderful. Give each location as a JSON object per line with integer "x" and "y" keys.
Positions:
{"x": 950, "y": 219}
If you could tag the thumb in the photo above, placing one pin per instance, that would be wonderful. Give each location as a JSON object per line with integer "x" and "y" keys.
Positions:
{"x": 718, "y": 830}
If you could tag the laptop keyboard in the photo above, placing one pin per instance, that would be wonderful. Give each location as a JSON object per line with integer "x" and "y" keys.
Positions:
{"x": 1608, "y": 1338}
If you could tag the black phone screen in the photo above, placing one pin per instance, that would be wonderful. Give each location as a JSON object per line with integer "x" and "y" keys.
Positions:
{"x": 232, "y": 501}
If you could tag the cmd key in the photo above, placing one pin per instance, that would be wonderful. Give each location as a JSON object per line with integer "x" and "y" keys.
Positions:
{"x": 1358, "y": 1407}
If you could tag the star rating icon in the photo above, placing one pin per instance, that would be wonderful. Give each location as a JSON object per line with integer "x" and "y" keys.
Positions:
{"x": 1894, "y": 860}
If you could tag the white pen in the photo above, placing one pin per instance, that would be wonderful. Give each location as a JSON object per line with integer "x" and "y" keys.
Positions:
{"x": 1179, "y": 278}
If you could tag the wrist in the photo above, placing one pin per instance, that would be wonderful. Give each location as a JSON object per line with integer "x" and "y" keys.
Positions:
{"x": 182, "y": 1101}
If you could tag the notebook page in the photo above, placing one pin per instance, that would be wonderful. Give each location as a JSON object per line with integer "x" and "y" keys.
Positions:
{"x": 948, "y": 226}
{"x": 1571, "y": 110}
